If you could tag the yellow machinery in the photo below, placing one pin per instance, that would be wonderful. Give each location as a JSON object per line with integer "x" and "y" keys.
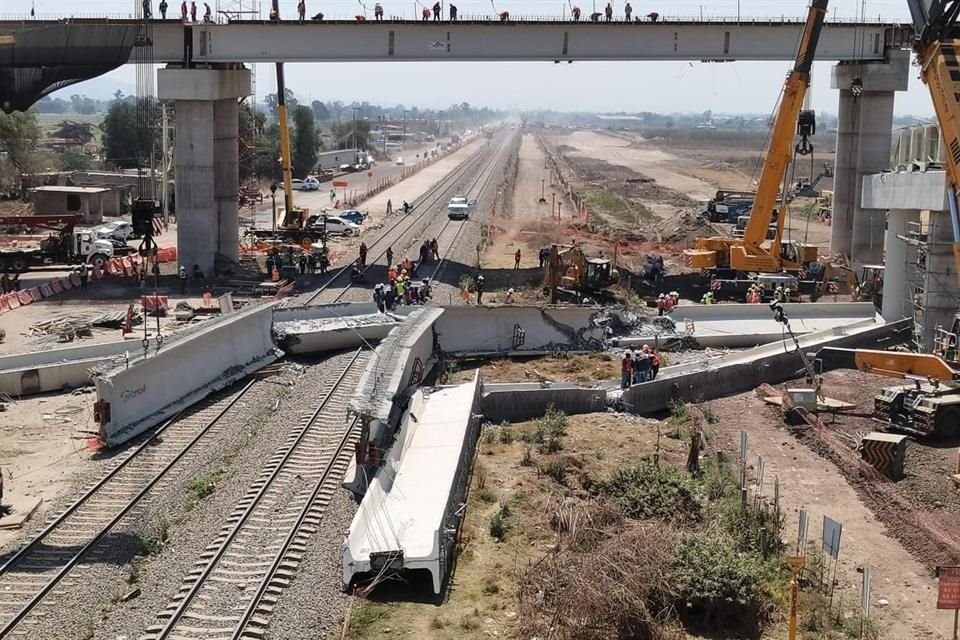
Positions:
{"x": 293, "y": 218}
{"x": 571, "y": 272}
{"x": 750, "y": 253}
{"x": 929, "y": 406}
{"x": 937, "y": 41}
{"x": 867, "y": 288}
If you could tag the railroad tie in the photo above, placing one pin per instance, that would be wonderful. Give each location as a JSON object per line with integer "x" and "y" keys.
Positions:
{"x": 884, "y": 452}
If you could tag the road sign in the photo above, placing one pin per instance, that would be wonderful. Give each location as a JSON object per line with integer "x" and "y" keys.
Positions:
{"x": 832, "y": 530}
{"x": 948, "y": 596}
{"x": 339, "y": 183}
{"x": 796, "y": 563}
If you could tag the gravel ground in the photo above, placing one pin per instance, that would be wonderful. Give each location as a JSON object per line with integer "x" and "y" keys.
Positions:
{"x": 314, "y": 605}
{"x": 187, "y": 530}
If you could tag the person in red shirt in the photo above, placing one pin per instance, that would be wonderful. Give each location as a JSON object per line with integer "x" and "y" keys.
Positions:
{"x": 193, "y": 12}
{"x": 183, "y": 10}
{"x": 626, "y": 370}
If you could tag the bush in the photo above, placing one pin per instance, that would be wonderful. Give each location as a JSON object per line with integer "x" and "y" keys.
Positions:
{"x": 720, "y": 587}
{"x": 550, "y": 430}
{"x": 486, "y": 495}
{"x": 650, "y": 492}
{"x": 555, "y": 469}
{"x": 499, "y": 526}
{"x": 527, "y": 459}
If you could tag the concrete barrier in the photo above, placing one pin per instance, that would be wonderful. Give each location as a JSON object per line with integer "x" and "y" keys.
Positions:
{"x": 504, "y": 330}
{"x": 301, "y": 337}
{"x": 524, "y": 401}
{"x": 739, "y": 372}
{"x": 134, "y": 398}
{"x": 25, "y": 374}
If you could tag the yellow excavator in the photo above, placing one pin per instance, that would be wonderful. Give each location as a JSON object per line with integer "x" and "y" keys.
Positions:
{"x": 571, "y": 274}
{"x": 936, "y": 43}
{"x": 734, "y": 259}
{"x": 929, "y": 406}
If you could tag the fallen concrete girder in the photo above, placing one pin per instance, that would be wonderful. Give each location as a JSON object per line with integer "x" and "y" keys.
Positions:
{"x": 745, "y": 370}
{"x": 134, "y": 397}
{"x": 526, "y": 400}
{"x": 24, "y": 374}
{"x": 301, "y": 337}
{"x": 737, "y": 325}
{"x": 411, "y": 513}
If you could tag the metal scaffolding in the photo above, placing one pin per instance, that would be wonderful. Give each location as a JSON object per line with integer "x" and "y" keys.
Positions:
{"x": 930, "y": 282}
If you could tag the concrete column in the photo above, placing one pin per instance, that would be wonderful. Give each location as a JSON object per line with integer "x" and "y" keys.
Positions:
{"x": 940, "y": 292}
{"x": 206, "y": 161}
{"x": 845, "y": 174}
{"x": 895, "y": 259}
{"x": 226, "y": 123}
{"x": 864, "y": 136}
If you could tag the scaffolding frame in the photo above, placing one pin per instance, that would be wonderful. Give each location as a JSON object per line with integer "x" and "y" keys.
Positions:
{"x": 926, "y": 284}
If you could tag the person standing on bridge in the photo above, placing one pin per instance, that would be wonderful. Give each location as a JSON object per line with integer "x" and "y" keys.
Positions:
{"x": 147, "y": 11}
{"x": 654, "y": 16}
{"x": 183, "y": 10}
{"x": 207, "y": 13}
{"x": 453, "y": 12}
{"x": 628, "y": 11}
{"x": 378, "y": 12}
{"x": 608, "y": 12}
{"x": 436, "y": 11}
{"x": 576, "y": 13}
{"x": 302, "y": 10}
{"x": 425, "y": 14}
{"x": 193, "y": 11}
{"x": 163, "y": 9}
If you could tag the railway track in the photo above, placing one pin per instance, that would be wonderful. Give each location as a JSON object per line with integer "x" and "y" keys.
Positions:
{"x": 31, "y": 575}
{"x": 485, "y": 160}
{"x": 231, "y": 591}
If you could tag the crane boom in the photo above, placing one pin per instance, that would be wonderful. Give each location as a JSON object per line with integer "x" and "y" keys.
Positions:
{"x": 284, "y": 141}
{"x": 780, "y": 151}
{"x": 937, "y": 47}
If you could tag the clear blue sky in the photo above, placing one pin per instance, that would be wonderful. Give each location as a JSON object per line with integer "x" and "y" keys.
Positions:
{"x": 612, "y": 86}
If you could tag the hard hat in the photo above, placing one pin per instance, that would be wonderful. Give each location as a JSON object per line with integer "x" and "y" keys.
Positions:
{"x": 662, "y": 296}
{"x": 646, "y": 347}
{"x": 509, "y": 290}
{"x": 479, "y": 277}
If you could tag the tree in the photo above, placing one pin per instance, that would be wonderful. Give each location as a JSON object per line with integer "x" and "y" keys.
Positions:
{"x": 123, "y": 143}
{"x": 267, "y": 163}
{"x": 303, "y": 155}
{"x": 82, "y": 131}
{"x": 74, "y": 161}
{"x": 251, "y": 128}
{"x": 19, "y": 135}
{"x": 320, "y": 111}
{"x": 347, "y": 138}
{"x": 274, "y": 106}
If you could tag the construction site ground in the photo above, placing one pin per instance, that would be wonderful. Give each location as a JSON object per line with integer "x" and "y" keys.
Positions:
{"x": 877, "y": 533}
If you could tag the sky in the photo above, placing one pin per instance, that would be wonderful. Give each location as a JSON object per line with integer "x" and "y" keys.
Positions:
{"x": 741, "y": 87}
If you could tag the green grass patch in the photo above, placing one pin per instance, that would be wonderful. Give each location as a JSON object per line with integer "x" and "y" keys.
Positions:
{"x": 616, "y": 206}
{"x": 368, "y": 619}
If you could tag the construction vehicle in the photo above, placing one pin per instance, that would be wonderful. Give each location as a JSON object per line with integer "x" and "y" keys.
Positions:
{"x": 807, "y": 188}
{"x": 727, "y": 206}
{"x": 936, "y": 42}
{"x": 65, "y": 245}
{"x": 738, "y": 260}
{"x": 929, "y": 406}
{"x": 868, "y": 287}
{"x": 571, "y": 274}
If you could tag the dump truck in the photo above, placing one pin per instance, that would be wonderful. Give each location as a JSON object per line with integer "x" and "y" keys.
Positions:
{"x": 64, "y": 244}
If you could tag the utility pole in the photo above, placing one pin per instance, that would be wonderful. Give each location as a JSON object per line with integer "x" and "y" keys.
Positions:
{"x": 353, "y": 135}
{"x": 163, "y": 166}
{"x": 403, "y": 141}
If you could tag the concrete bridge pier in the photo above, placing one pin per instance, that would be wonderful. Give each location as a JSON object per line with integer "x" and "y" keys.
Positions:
{"x": 206, "y": 160}
{"x": 864, "y": 134}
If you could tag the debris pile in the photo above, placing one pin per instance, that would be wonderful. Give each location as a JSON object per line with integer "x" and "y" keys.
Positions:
{"x": 685, "y": 228}
{"x": 66, "y": 328}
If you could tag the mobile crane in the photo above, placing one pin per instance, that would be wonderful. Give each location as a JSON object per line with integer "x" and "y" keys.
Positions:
{"x": 936, "y": 42}
{"x": 734, "y": 259}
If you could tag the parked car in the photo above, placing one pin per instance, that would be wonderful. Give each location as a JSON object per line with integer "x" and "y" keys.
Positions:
{"x": 116, "y": 230}
{"x": 335, "y": 225}
{"x": 399, "y": 162}
{"x": 349, "y": 168}
{"x": 354, "y": 215}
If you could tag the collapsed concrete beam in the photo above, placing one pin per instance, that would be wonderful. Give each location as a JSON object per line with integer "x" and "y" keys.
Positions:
{"x": 24, "y": 374}
{"x": 412, "y": 511}
{"x": 137, "y": 396}
{"x": 739, "y": 372}
{"x": 527, "y": 400}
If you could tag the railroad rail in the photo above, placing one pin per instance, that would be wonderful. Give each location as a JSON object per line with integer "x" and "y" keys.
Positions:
{"x": 273, "y": 520}
{"x": 29, "y": 575}
{"x": 427, "y": 204}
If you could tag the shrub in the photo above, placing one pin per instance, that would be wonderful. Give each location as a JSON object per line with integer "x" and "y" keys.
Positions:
{"x": 527, "y": 459}
{"x": 650, "y": 492}
{"x": 506, "y": 434}
{"x": 486, "y": 495}
{"x": 499, "y": 526}
{"x": 555, "y": 469}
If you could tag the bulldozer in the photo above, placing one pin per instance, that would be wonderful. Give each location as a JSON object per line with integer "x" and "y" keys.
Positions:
{"x": 572, "y": 275}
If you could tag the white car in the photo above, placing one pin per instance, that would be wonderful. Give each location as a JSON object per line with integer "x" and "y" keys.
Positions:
{"x": 399, "y": 162}
{"x": 336, "y": 224}
{"x": 307, "y": 184}
{"x": 117, "y": 230}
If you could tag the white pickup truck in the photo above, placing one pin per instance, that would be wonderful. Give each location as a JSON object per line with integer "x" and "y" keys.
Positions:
{"x": 459, "y": 208}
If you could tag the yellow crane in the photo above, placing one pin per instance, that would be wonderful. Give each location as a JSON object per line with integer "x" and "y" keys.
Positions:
{"x": 936, "y": 43}
{"x": 751, "y": 253}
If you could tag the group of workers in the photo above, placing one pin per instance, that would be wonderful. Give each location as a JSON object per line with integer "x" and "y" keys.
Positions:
{"x": 400, "y": 289}
{"x": 307, "y": 262}
{"x": 638, "y": 367}
{"x": 427, "y": 13}
{"x": 666, "y": 302}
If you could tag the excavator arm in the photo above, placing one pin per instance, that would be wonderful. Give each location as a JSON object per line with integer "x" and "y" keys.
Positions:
{"x": 937, "y": 45}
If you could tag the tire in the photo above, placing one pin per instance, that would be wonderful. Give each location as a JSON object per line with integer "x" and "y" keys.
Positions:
{"x": 98, "y": 260}
{"x": 18, "y": 264}
{"x": 947, "y": 425}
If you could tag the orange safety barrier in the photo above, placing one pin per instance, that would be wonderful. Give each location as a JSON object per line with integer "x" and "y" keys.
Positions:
{"x": 55, "y": 285}
{"x": 152, "y": 303}
{"x": 13, "y": 301}
{"x": 24, "y": 297}
{"x": 4, "y": 305}
{"x": 35, "y": 294}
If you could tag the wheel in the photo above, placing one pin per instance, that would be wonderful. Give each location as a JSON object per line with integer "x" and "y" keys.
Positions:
{"x": 18, "y": 264}
{"x": 98, "y": 260}
{"x": 947, "y": 425}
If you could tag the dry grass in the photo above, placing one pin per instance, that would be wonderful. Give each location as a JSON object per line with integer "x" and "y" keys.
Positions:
{"x": 584, "y": 370}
